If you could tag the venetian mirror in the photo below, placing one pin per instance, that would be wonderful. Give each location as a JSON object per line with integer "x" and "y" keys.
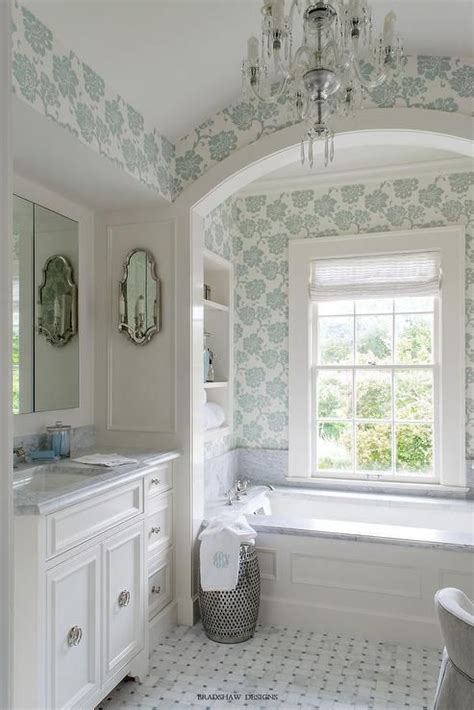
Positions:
{"x": 57, "y": 302}
{"x": 139, "y": 297}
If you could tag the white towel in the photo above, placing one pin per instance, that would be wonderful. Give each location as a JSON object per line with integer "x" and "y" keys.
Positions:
{"x": 214, "y": 415}
{"x": 220, "y": 551}
{"x": 109, "y": 460}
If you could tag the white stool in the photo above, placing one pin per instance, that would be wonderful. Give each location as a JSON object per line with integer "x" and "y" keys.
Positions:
{"x": 455, "y": 689}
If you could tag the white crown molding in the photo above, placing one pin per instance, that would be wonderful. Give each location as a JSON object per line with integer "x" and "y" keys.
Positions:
{"x": 301, "y": 182}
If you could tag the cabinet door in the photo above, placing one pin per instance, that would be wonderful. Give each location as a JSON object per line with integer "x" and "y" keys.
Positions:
{"x": 124, "y": 597}
{"x": 73, "y": 636}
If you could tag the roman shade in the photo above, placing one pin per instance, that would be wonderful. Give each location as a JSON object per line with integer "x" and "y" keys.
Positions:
{"x": 379, "y": 276}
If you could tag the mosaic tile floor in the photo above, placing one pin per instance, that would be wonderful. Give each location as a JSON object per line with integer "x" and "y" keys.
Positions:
{"x": 282, "y": 668}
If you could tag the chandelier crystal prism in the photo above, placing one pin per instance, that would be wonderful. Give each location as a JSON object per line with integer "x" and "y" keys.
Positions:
{"x": 338, "y": 60}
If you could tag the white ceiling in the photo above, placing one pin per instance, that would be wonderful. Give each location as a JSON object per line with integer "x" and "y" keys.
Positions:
{"x": 178, "y": 61}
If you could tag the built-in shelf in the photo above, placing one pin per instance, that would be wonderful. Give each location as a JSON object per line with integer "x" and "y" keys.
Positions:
{"x": 218, "y": 327}
{"x": 216, "y": 306}
{"x": 217, "y": 432}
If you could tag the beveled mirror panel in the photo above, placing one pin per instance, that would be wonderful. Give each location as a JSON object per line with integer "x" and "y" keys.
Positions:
{"x": 45, "y": 339}
{"x": 139, "y": 297}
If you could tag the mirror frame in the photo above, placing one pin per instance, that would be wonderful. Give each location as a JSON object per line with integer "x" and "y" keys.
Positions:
{"x": 59, "y": 340}
{"x": 135, "y": 334}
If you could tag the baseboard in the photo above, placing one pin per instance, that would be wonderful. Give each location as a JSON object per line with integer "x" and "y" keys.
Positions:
{"x": 162, "y": 623}
{"x": 367, "y": 625}
{"x": 186, "y": 611}
{"x": 196, "y": 609}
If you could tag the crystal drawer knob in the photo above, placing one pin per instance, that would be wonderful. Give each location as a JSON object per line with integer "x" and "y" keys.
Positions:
{"x": 155, "y": 590}
{"x": 156, "y": 531}
{"x": 124, "y": 598}
{"x": 155, "y": 481}
{"x": 74, "y": 636}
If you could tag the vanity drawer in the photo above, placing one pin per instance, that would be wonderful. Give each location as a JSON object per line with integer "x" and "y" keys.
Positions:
{"x": 77, "y": 523}
{"x": 160, "y": 583}
{"x": 159, "y": 480}
{"x": 159, "y": 523}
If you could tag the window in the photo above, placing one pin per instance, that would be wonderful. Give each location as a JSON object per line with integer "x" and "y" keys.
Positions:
{"x": 374, "y": 390}
{"x": 377, "y": 357}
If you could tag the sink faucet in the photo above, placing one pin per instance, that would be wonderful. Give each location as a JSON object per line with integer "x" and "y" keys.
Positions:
{"x": 20, "y": 453}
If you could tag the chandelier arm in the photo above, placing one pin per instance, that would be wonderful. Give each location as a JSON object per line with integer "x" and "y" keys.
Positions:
{"x": 334, "y": 43}
{"x": 275, "y": 97}
{"x": 369, "y": 85}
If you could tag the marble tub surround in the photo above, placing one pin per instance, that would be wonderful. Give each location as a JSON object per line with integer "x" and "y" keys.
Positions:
{"x": 365, "y": 532}
{"x": 96, "y": 479}
{"x": 82, "y": 437}
{"x": 257, "y": 503}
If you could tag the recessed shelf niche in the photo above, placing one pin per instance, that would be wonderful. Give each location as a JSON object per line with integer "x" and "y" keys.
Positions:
{"x": 218, "y": 276}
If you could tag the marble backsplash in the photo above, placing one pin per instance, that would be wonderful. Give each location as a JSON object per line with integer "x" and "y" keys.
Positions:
{"x": 271, "y": 466}
{"x": 82, "y": 437}
{"x": 220, "y": 473}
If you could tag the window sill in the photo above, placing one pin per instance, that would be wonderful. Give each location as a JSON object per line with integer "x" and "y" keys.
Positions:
{"x": 435, "y": 490}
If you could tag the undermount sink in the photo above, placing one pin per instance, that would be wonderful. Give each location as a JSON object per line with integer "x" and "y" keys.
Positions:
{"x": 53, "y": 477}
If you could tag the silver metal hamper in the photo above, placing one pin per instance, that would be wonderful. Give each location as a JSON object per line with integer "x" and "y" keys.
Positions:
{"x": 231, "y": 617}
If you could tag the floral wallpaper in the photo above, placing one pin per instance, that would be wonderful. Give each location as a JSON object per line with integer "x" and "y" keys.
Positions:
{"x": 437, "y": 83}
{"x": 256, "y": 230}
{"x": 65, "y": 89}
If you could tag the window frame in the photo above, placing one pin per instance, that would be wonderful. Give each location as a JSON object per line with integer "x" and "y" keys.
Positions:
{"x": 450, "y": 242}
{"x": 392, "y": 368}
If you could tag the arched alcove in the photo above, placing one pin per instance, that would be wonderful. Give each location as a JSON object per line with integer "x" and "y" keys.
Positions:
{"x": 396, "y": 127}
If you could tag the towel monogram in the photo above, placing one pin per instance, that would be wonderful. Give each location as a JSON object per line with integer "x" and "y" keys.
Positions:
{"x": 221, "y": 559}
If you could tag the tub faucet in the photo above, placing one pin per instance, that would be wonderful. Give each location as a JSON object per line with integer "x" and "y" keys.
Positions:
{"x": 267, "y": 485}
{"x": 241, "y": 486}
{"x": 232, "y": 494}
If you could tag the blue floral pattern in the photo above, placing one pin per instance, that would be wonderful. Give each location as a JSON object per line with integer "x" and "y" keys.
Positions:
{"x": 254, "y": 232}
{"x": 55, "y": 81}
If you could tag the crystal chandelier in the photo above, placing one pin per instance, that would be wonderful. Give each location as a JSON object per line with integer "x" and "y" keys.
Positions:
{"x": 338, "y": 60}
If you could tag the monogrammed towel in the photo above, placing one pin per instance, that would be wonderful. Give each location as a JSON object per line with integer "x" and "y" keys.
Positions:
{"x": 220, "y": 551}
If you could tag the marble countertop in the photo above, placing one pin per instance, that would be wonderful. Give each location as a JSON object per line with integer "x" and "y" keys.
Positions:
{"x": 49, "y": 500}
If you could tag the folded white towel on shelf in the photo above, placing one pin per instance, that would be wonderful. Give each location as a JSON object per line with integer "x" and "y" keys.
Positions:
{"x": 109, "y": 460}
{"x": 220, "y": 551}
{"x": 214, "y": 415}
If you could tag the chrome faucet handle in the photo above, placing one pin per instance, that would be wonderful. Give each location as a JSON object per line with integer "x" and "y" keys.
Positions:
{"x": 20, "y": 453}
{"x": 229, "y": 496}
{"x": 244, "y": 485}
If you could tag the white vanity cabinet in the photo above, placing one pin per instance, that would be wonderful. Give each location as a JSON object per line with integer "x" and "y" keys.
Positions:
{"x": 88, "y": 579}
{"x": 124, "y": 582}
{"x": 73, "y": 631}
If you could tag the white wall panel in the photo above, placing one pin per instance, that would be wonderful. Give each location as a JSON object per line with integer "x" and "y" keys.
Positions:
{"x": 140, "y": 380}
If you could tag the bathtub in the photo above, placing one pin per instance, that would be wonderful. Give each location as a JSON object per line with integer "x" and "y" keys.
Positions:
{"x": 366, "y": 565}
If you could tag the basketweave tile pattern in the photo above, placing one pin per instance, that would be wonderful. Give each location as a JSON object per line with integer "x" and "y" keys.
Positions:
{"x": 296, "y": 669}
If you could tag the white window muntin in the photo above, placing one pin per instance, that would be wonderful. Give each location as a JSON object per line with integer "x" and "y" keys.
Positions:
{"x": 450, "y": 242}
{"x": 433, "y": 367}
